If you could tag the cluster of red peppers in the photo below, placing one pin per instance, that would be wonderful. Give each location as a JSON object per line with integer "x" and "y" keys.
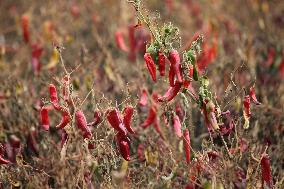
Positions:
{"x": 123, "y": 127}
{"x": 80, "y": 119}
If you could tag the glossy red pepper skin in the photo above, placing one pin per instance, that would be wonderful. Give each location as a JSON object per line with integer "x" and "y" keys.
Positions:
{"x": 186, "y": 145}
{"x": 171, "y": 76}
{"x": 123, "y": 144}
{"x": 64, "y": 120}
{"x": 171, "y": 93}
{"x": 150, "y": 118}
{"x": 266, "y": 171}
{"x": 54, "y": 97}
{"x": 114, "y": 119}
{"x": 151, "y": 66}
{"x": 127, "y": 117}
{"x": 81, "y": 123}
{"x": 44, "y": 118}
{"x": 162, "y": 63}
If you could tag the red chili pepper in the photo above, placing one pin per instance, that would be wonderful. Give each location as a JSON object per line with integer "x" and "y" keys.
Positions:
{"x": 186, "y": 145}
{"x": 253, "y": 97}
{"x": 171, "y": 76}
{"x": 144, "y": 98}
{"x": 114, "y": 118}
{"x": 54, "y": 97}
{"x": 247, "y": 106}
{"x": 15, "y": 141}
{"x": 150, "y": 65}
{"x": 25, "y": 28}
{"x": 120, "y": 42}
{"x": 97, "y": 117}
{"x": 175, "y": 64}
{"x": 177, "y": 126}
{"x": 128, "y": 113}
{"x": 162, "y": 63}
{"x": 64, "y": 120}
{"x": 123, "y": 144}
{"x": 266, "y": 172}
{"x": 179, "y": 111}
{"x": 81, "y": 123}
{"x": 44, "y": 118}
{"x": 3, "y": 161}
{"x": 151, "y": 118}
{"x": 171, "y": 93}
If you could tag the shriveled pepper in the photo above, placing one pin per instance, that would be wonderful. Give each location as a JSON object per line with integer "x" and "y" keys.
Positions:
{"x": 127, "y": 117}
{"x": 81, "y": 123}
{"x": 171, "y": 93}
{"x": 64, "y": 120}
{"x": 253, "y": 97}
{"x": 266, "y": 171}
{"x": 114, "y": 118}
{"x": 186, "y": 145}
{"x": 54, "y": 97}
{"x": 151, "y": 117}
{"x": 175, "y": 64}
{"x": 150, "y": 65}
{"x": 123, "y": 144}
{"x": 44, "y": 118}
{"x": 162, "y": 63}
{"x": 246, "y": 111}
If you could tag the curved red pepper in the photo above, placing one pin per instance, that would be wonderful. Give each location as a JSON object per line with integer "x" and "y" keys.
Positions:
{"x": 162, "y": 63}
{"x": 64, "y": 120}
{"x": 157, "y": 128}
{"x": 120, "y": 41}
{"x": 114, "y": 118}
{"x": 151, "y": 118}
{"x": 171, "y": 76}
{"x": 171, "y": 93}
{"x": 144, "y": 98}
{"x": 44, "y": 118}
{"x": 54, "y": 97}
{"x": 128, "y": 113}
{"x": 123, "y": 144}
{"x": 186, "y": 145}
{"x": 253, "y": 97}
{"x": 150, "y": 65}
{"x": 175, "y": 64}
{"x": 3, "y": 161}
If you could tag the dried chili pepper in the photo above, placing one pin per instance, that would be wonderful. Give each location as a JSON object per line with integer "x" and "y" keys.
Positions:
{"x": 123, "y": 144}
{"x": 127, "y": 117}
{"x": 157, "y": 127}
{"x": 150, "y": 118}
{"x": 162, "y": 63}
{"x": 177, "y": 125}
{"x": 266, "y": 171}
{"x": 64, "y": 120}
{"x": 120, "y": 42}
{"x": 246, "y": 111}
{"x": 54, "y": 97}
{"x": 171, "y": 76}
{"x": 25, "y": 28}
{"x": 253, "y": 97}
{"x": 175, "y": 64}
{"x": 186, "y": 145}
{"x": 81, "y": 123}
{"x": 44, "y": 118}
{"x": 171, "y": 93}
{"x": 114, "y": 118}
{"x": 150, "y": 65}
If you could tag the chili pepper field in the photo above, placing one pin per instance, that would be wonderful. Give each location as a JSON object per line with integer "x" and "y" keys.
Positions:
{"x": 154, "y": 94}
